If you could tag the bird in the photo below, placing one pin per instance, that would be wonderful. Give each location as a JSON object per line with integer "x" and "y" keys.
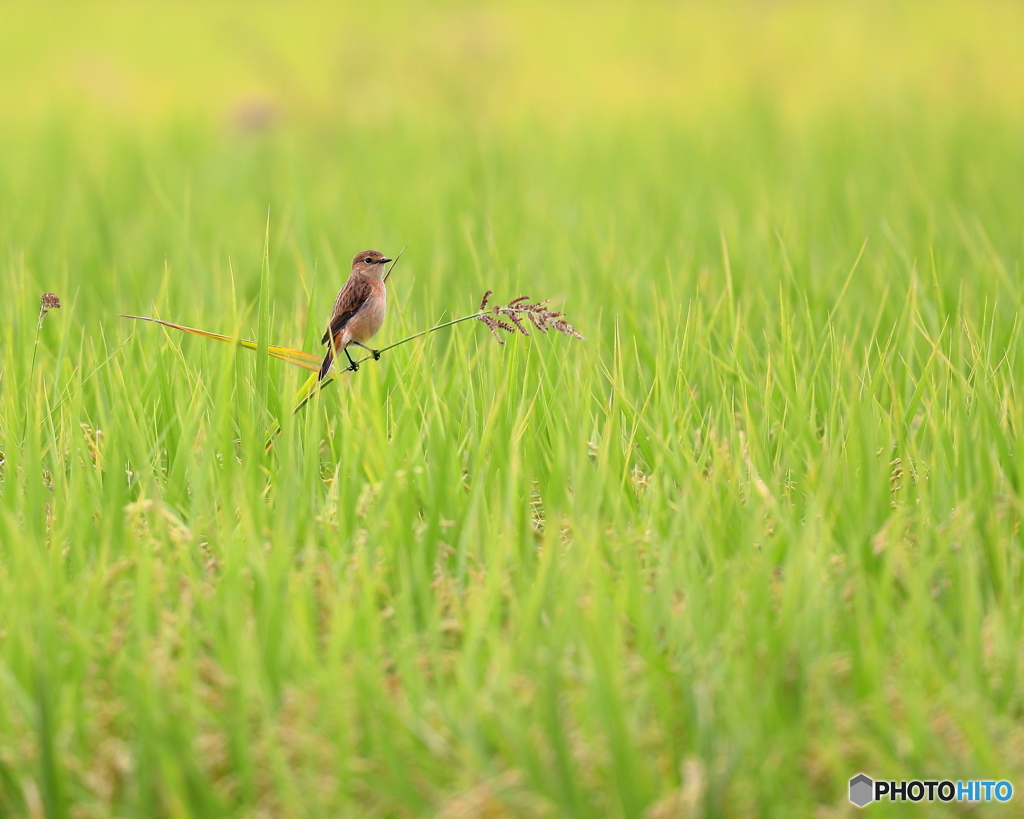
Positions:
{"x": 358, "y": 311}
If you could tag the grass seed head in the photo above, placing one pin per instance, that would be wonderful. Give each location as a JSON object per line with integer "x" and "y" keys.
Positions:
{"x": 49, "y": 301}
{"x": 519, "y": 309}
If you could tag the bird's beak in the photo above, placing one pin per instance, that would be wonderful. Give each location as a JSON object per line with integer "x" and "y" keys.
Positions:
{"x": 384, "y": 261}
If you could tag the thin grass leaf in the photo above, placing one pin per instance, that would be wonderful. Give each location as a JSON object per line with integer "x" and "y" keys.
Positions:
{"x": 263, "y": 327}
{"x": 286, "y": 354}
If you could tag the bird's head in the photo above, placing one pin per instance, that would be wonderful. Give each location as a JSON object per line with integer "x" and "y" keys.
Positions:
{"x": 370, "y": 263}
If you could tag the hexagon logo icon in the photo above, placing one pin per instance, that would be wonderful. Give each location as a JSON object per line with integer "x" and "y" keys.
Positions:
{"x": 862, "y": 790}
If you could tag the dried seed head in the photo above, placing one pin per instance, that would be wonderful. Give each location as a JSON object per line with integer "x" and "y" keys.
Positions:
{"x": 566, "y": 329}
{"x": 519, "y": 309}
{"x": 47, "y": 301}
{"x": 517, "y": 322}
{"x": 492, "y": 325}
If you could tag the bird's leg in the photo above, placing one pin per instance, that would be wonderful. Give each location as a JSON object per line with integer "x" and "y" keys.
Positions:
{"x": 352, "y": 365}
{"x": 370, "y": 350}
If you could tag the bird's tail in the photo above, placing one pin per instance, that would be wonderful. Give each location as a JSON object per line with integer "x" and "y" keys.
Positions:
{"x": 326, "y": 366}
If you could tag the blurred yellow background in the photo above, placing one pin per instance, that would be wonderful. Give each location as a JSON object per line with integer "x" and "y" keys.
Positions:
{"x": 253, "y": 63}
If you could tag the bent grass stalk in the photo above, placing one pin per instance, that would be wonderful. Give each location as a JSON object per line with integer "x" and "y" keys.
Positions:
{"x": 538, "y": 314}
{"x": 510, "y": 318}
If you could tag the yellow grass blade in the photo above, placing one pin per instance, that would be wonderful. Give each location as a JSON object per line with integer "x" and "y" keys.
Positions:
{"x": 291, "y": 356}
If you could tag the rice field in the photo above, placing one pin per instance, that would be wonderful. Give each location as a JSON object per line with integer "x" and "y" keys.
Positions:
{"x": 758, "y": 531}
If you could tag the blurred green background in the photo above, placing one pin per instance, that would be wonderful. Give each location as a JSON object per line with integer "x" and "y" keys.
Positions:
{"x": 760, "y": 531}
{"x": 406, "y": 123}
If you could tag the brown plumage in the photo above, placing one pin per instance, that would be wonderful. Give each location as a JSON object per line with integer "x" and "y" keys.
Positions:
{"x": 359, "y": 309}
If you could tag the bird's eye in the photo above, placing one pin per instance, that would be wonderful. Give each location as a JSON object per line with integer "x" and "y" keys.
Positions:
{"x": 368, "y": 260}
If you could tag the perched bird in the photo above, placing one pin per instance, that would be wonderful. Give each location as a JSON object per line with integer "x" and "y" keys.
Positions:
{"x": 358, "y": 310}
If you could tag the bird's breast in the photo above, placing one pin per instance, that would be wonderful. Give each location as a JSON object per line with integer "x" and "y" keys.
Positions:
{"x": 365, "y": 324}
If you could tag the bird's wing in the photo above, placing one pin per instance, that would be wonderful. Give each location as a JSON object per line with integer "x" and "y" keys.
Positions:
{"x": 338, "y": 324}
{"x": 350, "y": 301}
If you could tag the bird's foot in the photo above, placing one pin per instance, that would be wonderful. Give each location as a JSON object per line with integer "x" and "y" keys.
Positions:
{"x": 376, "y": 355}
{"x": 353, "y": 367}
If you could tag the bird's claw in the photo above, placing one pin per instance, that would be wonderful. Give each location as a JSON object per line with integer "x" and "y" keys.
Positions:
{"x": 353, "y": 367}
{"x": 376, "y": 355}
